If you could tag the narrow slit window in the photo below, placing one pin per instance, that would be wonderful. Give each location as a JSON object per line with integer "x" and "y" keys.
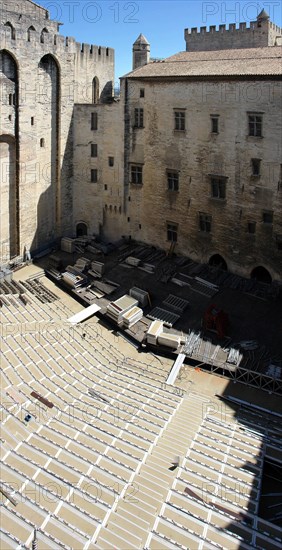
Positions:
{"x": 214, "y": 124}
{"x": 94, "y": 175}
{"x": 94, "y": 150}
{"x": 94, "y": 121}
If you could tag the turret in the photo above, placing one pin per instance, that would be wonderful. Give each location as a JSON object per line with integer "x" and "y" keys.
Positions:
{"x": 262, "y": 16}
{"x": 141, "y": 52}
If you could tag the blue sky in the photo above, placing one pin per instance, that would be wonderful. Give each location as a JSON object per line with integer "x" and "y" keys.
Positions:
{"x": 117, "y": 24}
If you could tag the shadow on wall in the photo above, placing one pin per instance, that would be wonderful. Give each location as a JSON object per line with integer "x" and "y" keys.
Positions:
{"x": 8, "y": 196}
{"x": 55, "y": 204}
{"x": 9, "y": 146}
{"x": 59, "y": 195}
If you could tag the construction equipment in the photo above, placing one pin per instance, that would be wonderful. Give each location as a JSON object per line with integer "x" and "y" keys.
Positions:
{"x": 217, "y": 320}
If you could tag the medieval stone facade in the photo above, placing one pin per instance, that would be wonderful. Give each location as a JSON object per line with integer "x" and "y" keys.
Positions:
{"x": 43, "y": 75}
{"x": 188, "y": 158}
{"x": 200, "y": 162}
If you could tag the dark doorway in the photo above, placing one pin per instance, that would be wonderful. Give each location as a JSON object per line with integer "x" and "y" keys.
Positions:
{"x": 81, "y": 229}
{"x": 262, "y": 275}
{"x": 218, "y": 261}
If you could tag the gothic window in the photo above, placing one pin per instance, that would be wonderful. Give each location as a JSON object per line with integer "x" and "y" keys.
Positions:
{"x": 12, "y": 30}
{"x": 30, "y": 30}
{"x": 43, "y": 35}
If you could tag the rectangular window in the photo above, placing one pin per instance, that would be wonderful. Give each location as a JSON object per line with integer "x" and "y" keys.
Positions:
{"x": 267, "y": 216}
{"x": 94, "y": 150}
{"x": 12, "y": 99}
{"x": 205, "y": 221}
{"x": 172, "y": 232}
{"x": 255, "y": 125}
{"x": 32, "y": 121}
{"x": 136, "y": 174}
{"x": 179, "y": 120}
{"x": 94, "y": 121}
{"x": 251, "y": 227}
{"x": 94, "y": 175}
{"x": 255, "y": 167}
{"x": 142, "y": 92}
{"x": 214, "y": 124}
{"x": 172, "y": 181}
{"x": 218, "y": 187}
{"x": 111, "y": 161}
{"x": 138, "y": 118}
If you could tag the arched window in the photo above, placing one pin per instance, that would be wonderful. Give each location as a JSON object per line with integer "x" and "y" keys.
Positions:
{"x": 81, "y": 229}
{"x": 43, "y": 35}
{"x": 218, "y": 261}
{"x": 261, "y": 274}
{"x": 30, "y": 30}
{"x": 95, "y": 90}
{"x": 12, "y": 30}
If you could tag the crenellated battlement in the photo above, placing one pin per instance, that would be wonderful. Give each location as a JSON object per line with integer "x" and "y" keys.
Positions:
{"x": 26, "y": 21}
{"x": 11, "y": 37}
{"x": 98, "y": 53}
{"x": 259, "y": 33}
{"x": 231, "y": 27}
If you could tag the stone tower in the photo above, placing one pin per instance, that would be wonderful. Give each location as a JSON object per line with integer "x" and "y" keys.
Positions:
{"x": 141, "y": 52}
{"x": 43, "y": 75}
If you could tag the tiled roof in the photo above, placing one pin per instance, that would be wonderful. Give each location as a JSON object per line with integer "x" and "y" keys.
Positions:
{"x": 237, "y": 62}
